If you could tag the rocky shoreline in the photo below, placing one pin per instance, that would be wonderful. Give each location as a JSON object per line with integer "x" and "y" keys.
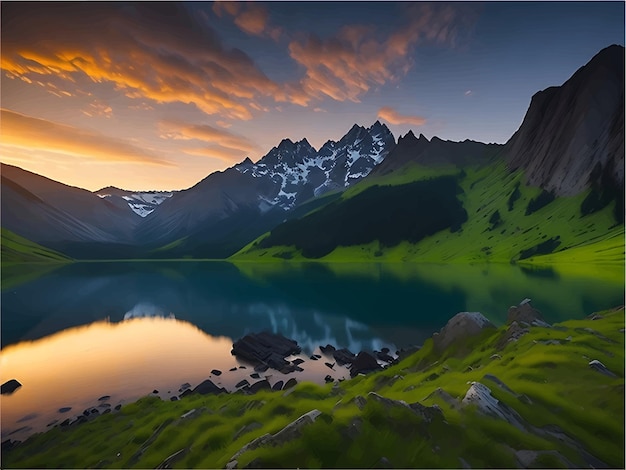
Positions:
{"x": 273, "y": 356}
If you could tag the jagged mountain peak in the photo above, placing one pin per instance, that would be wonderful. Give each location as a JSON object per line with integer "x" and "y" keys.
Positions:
{"x": 301, "y": 172}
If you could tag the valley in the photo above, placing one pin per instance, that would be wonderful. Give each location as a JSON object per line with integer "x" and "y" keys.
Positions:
{"x": 392, "y": 296}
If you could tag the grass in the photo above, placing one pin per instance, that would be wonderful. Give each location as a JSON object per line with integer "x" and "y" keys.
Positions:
{"x": 17, "y": 249}
{"x": 487, "y": 190}
{"x": 548, "y": 366}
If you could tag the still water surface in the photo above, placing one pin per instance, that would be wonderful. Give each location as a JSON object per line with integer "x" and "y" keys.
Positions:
{"x": 123, "y": 329}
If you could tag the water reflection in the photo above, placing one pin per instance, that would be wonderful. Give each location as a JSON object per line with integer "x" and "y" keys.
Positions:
{"x": 125, "y": 361}
{"x": 124, "y": 329}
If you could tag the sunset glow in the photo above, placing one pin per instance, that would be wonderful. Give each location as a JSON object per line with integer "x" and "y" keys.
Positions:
{"x": 158, "y": 96}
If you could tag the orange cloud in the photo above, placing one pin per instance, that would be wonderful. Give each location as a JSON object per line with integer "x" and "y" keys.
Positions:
{"x": 348, "y": 65}
{"x": 251, "y": 18}
{"x": 217, "y": 137}
{"x": 393, "y": 117}
{"x": 148, "y": 51}
{"x": 32, "y": 133}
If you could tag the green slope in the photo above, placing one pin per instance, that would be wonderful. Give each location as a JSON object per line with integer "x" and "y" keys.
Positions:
{"x": 547, "y": 382}
{"x": 498, "y": 227}
{"x": 17, "y": 249}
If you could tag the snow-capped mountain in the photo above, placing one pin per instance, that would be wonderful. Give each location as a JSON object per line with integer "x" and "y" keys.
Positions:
{"x": 299, "y": 172}
{"x": 141, "y": 202}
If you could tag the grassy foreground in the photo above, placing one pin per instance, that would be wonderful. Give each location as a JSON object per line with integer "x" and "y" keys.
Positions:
{"x": 567, "y": 414}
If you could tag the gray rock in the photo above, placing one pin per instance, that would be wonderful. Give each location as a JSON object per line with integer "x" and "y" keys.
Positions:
{"x": 242, "y": 383}
{"x": 291, "y": 431}
{"x": 297, "y": 361}
{"x": 599, "y": 367}
{"x": 328, "y": 349}
{"x": 65, "y": 409}
{"x": 216, "y": 372}
{"x": 104, "y": 398}
{"x": 169, "y": 461}
{"x": 255, "y": 376}
{"x": 232, "y": 464}
{"x": 480, "y": 395}
{"x": 278, "y": 385}
{"x": 461, "y": 326}
{"x": 525, "y": 314}
{"x": 527, "y": 458}
{"x": 360, "y": 402}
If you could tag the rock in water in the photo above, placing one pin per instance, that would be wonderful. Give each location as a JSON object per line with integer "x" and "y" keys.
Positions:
{"x": 266, "y": 348}
{"x": 9, "y": 387}
{"x": 208, "y": 387}
{"x": 290, "y": 383}
{"x": 364, "y": 362}
{"x": 343, "y": 356}
{"x": 260, "y": 385}
{"x": 461, "y": 326}
{"x": 525, "y": 314}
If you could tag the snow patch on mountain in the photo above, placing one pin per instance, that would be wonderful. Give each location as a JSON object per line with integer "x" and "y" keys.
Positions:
{"x": 299, "y": 172}
{"x": 142, "y": 203}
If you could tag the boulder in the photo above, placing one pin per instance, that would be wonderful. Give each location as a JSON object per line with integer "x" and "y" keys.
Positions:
{"x": 207, "y": 387}
{"x": 216, "y": 372}
{"x": 118, "y": 407}
{"x": 10, "y": 386}
{"x": 328, "y": 349}
{"x": 343, "y": 356}
{"x": 364, "y": 363}
{"x": 255, "y": 375}
{"x": 525, "y": 314}
{"x": 278, "y": 385}
{"x": 290, "y": 383}
{"x": 242, "y": 383}
{"x": 461, "y": 326}
{"x": 258, "y": 386}
{"x": 480, "y": 395}
{"x": 297, "y": 361}
{"x": 265, "y": 348}
{"x": 328, "y": 379}
{"x": 185, "y": 393}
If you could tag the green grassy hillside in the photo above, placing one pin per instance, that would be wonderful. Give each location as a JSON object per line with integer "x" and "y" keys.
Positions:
{"x": 507, "y": 221}
{"x": 565, "y": 413}
{"x": 16, "y": 249}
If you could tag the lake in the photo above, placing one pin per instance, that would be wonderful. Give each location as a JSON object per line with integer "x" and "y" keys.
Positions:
{"x": 124, "y": 330}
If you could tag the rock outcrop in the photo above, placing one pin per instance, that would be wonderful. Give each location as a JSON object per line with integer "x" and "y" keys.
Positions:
{"x": 462, "y": 325}
{"x": 573, "y": 135}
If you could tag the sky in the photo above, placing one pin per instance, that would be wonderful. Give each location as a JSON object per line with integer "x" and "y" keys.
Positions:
{"x": 148, "y": 96}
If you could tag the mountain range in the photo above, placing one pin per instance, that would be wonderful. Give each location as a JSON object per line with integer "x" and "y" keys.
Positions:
{"x": 364, "y": 190}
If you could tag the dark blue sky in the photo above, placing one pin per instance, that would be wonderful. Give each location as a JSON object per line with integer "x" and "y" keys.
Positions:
{"x": 159, "y": 95}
